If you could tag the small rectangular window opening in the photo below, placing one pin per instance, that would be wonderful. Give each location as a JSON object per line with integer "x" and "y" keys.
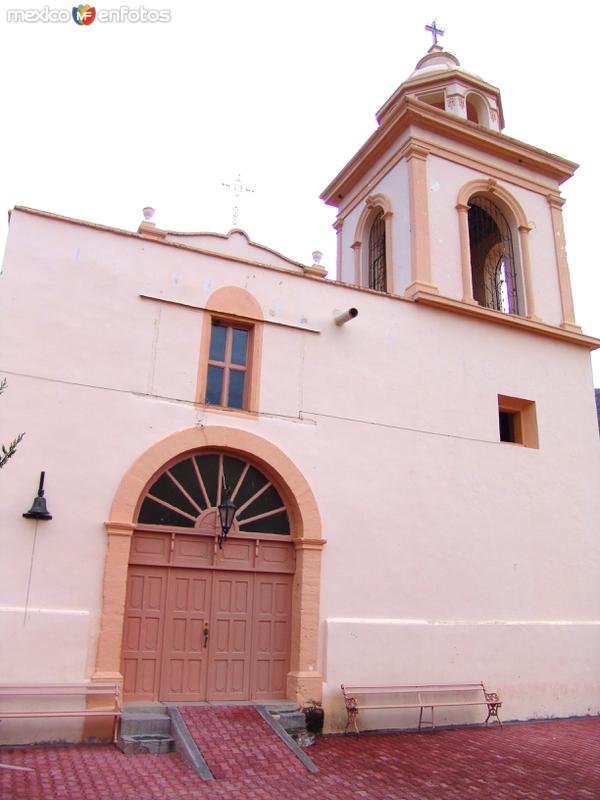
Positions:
{"x": 507, "y": 426}
{"x": 517, "y": 421}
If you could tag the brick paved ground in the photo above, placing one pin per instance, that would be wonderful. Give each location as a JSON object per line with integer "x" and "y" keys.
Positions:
{"x": 257, "y": 751}
{"x": 541, "y": 761}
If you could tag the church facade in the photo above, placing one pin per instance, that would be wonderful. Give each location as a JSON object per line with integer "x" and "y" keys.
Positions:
{"x": 408, "y": 452}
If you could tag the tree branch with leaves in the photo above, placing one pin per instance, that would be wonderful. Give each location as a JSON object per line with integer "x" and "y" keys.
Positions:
{"x": 11, "y": 449}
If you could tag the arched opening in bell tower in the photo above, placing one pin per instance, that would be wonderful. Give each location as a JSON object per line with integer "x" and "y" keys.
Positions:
{"x": 494, "y": 260}
{"x": 377, "y": 268}
{"x": 477, "y": 110}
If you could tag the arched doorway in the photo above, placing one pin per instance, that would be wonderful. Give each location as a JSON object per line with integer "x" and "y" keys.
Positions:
{"x": 205, "y": 622}
{"x": 304, "y": 680}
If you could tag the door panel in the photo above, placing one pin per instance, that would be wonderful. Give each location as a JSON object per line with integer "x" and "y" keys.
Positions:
{"x": 185, "y": 658}
{"x": 164, "y": 652}
{"x": 230, "y": 637}
{"x": 271, "y": 645}
{"x": 142, "y": 636}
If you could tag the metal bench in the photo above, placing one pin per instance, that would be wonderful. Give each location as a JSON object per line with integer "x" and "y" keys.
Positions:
{"x": 422, "y": 696}
{"x": 87, "y": 689}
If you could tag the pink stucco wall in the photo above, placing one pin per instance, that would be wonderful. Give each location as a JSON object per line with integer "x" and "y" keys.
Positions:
{"x": 449, "y": 556}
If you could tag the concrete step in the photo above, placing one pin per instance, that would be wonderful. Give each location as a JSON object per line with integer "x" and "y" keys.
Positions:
{"x": 136, "y": 723}
{"x": 291, "y": 719}
{"x": 139, "y": 744}
{"x": 144, "y": 708}
{"x": 280, "y": 707}
{"x": 293, "y": 722}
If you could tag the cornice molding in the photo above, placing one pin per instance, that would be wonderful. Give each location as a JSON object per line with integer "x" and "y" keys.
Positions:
{"x": 230, "y": 315}
{"x": 167, "y": 242}
{"x": 433, "y": 80}
{"x": 415, "y": 112}
{"x": 414, "y": 149}
{"x": 445, "y": 153}
{"x": 555, "y": 201}
{"x": 510, "y": 320}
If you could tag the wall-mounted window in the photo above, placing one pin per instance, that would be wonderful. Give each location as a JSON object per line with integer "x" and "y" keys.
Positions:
{"x": 227, "y": 373}
{"x": 373, "y": 245}
{"x": 517, "y": 421}
{"x": 230, "y": 353}
{"x": 377, "y": 277}
{"x": 495, "y": 269}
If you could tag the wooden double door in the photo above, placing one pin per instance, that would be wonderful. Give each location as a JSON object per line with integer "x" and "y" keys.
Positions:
{"x": 206, "y": 634}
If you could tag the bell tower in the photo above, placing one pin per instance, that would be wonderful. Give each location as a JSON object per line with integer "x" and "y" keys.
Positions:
{"x": 440, "y": 207}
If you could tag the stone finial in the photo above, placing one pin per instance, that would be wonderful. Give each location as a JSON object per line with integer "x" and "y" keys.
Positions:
{"x": 148, "y": 228}
{"x": 317, "y": 269}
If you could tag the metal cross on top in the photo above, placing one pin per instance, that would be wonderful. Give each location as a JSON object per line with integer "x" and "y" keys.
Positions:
{"x": 434, "y": 30}
{"x": 237, "y": 188}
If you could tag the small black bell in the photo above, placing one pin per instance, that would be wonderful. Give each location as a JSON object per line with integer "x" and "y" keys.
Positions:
{"x": 38, "y": 509}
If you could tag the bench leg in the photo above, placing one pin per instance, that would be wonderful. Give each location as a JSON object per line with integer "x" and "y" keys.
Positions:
{"x": 430, "y": 722}
{"x": 352, "y": 712}
{"x": 493, "y": 713}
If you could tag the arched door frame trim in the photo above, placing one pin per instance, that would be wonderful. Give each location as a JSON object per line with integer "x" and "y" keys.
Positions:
{"x": 304, "y": 680}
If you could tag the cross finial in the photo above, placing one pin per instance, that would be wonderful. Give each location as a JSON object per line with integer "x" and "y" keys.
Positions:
{"x": 237, "y": 188}
{"x": 434, "y": 30}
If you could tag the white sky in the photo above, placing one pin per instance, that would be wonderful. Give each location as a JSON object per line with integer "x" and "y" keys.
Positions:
{"x": 102, "y": 120}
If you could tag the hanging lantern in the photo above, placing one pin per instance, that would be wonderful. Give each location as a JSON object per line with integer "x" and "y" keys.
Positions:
{"x": 227, "y": 509}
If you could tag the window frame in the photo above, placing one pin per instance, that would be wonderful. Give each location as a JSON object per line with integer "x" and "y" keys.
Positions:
{"x": 228, "y": 365}
{"x": 520, "y": 228}
{"x": 235, "y": 307}
{"x": 485, "y": 286}
{"x": 375, "y": 205}
{"x": 523, "y": 421}
{"x": 376, "y": 252}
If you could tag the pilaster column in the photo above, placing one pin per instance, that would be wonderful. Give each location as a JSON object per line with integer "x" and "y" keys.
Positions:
{"x": 527, "y": 274}
{"x": 108, "y": 656}
{"x": 357, "y": 248}
{"x": 337, "y": 226}
{"x": 465, "y": 253}
{"x": 389, "y": 267}
{"x": 455, "y": 104}
{"x": 564, "y": 281}
{"x": 420, "y": 251}
{"x": 304, "y": 682}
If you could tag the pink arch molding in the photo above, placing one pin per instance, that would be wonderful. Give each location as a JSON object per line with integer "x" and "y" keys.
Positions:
{"x": 304, "y": 681}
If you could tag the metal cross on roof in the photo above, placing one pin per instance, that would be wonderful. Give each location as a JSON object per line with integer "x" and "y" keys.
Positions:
{"x": 237, "y": 188}
{"x": 434, "y": 30}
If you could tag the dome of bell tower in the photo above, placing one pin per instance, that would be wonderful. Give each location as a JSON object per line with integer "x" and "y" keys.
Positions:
{"x": 436, "y": 58}
{"x": 439, "y": 80}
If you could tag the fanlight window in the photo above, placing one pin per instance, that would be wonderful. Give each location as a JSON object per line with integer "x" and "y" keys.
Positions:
{"x": 188, "y": 488}
{"x": 493, "y": 265}
{"x": 377, "y": 267}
